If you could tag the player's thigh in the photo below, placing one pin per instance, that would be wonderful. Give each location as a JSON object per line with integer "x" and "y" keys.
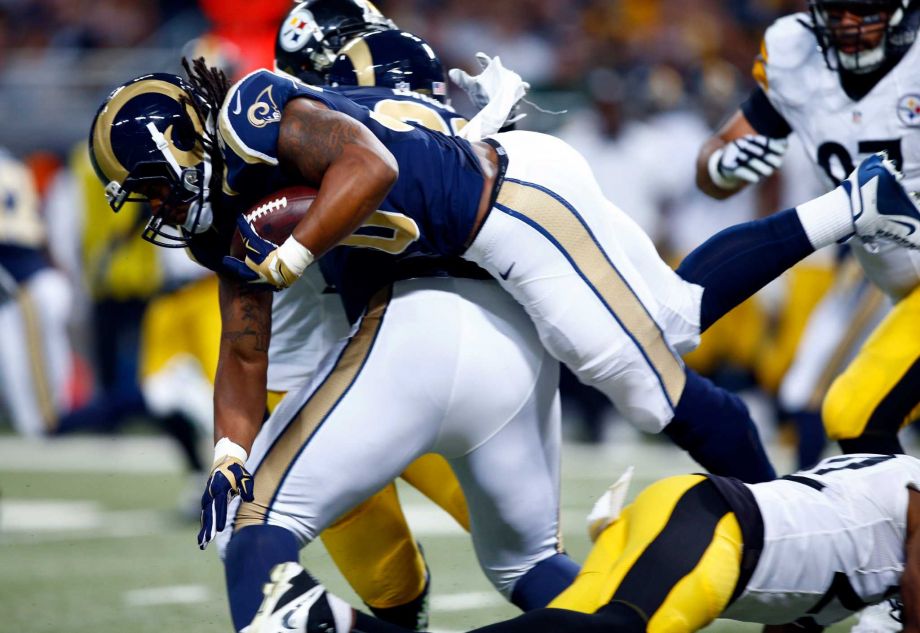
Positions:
{"x": 18, "y": 394}
{"x": 879, "y": 389}
{"x": 511, "y": 484}
{"x": 374, "y": 407}
{"x": 52, "y": 297}
{"x": 643, "y": 555}
{"x": 554, "y": 243}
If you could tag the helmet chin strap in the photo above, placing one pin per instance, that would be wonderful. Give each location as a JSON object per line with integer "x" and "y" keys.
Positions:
{"x": 200, "y": 215}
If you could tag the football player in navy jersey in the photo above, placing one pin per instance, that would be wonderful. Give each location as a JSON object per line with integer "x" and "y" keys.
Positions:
{"x": 523, "y": 206}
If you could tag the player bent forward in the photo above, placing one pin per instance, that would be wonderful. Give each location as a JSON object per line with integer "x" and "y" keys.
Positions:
{"x": 810, "y": 549}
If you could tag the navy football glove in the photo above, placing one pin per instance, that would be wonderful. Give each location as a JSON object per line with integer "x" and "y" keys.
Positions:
{"x": 266, "y": 262}
{"x": 228, "y": 479}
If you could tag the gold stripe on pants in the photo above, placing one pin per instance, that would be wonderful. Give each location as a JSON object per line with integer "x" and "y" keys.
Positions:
{"x": 576, "y": 242}
{"x": 273, "y": 468}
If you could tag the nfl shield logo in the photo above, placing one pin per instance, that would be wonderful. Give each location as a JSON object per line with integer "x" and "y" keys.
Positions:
{"x": 909, "y": 110}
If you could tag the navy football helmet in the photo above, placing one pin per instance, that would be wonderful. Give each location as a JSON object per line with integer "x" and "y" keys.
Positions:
{"x": 394, "y": 59}
{"x": 313, "y": 33}
{"x": 843, "y": 45}
{"x": 150, "y": 138}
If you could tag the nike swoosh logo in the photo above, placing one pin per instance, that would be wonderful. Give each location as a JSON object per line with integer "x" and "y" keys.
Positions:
{"x": 239, "y": 106}
{"x": 908, "y": 225}
{"x": 286, "y": 620}
{"x": 505, "y": 274}
{"x": 250, "y": 247}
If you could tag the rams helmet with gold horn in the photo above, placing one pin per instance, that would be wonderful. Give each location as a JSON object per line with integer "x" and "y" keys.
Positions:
{"x": 149, "y": 139}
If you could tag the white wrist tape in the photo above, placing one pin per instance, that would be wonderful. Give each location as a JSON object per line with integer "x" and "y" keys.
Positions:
{"x": 295, "y": 256}
{"x": 225, "y": 448}
{"x": 720, "y": 181}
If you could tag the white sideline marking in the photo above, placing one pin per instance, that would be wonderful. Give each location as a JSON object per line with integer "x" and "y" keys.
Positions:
{"x": 466, "y": 601}
{"x": 177, "y": 594}
{"x": 36, "y": 521}
{"x": 89, "y": 455}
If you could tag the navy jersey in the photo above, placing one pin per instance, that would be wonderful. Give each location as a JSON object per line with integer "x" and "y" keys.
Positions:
{"x": 431, "y": 208}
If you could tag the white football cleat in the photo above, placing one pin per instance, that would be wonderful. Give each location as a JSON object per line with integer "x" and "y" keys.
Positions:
{"x": 880, "y": 206}
{"x": 607, "y": 509}
{"x": 294, "y": 602}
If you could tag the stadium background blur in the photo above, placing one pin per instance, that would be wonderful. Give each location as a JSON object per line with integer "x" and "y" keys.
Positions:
{"x": 90, "y": 534}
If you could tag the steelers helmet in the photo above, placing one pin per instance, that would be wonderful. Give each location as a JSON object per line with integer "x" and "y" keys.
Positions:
{"x": 314, "y": 31}
{"x": 394, "y": 59}
{"x": 843, "y": 46}
{"x": 150, "y": 135}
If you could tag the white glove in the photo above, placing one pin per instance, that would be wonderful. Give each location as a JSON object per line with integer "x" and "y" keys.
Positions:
{"x": 748, "y": 159}
{"x": 607, "y": 509}
{"x": 495, "y": 92}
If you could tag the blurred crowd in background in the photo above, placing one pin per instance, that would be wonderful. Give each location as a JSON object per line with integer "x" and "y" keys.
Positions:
{"x": 635, "y": 85}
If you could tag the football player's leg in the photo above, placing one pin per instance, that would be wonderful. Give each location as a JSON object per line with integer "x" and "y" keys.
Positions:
{"x": 51, "y": 299}
{"x": 614, "y": 314}
{"x": 432, "y": 476}
{"x": 371, "y": 409}
{"x": 868, "y": 404}
{"x": 672, "y": 558}
{"x": 375, "y": 551}
{"x": 738, "y": 261}
{"x": 836, "y": 329}
{"x": 21, "y": 401}
{"x": 503, "y": 429}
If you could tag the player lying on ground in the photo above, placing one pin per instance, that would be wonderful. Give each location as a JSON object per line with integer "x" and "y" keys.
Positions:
{"x": 810, "y": 549}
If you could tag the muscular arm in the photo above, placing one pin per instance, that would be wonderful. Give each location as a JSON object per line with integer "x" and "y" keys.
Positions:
{"x": 239, "y": 387}
{"x": 736, "y": 127}
{"x": 910, "y": 579}
{"x": 350, "y": 166}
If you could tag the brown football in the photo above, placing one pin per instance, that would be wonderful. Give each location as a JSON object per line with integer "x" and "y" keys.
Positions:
{"x": 275, "y": 216}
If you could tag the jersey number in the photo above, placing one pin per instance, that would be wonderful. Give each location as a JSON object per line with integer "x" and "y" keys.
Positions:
{"x": 836, "y": 162}
{"x": 387, "y": 231}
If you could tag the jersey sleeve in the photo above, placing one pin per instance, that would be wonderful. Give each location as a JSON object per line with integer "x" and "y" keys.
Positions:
{"x": 763, "y": 117}
{"x": 249, "y": 122}
{"x": 787, "y": 55}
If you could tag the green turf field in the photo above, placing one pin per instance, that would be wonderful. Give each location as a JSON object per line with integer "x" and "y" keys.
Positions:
{"x": 91, "y": 540}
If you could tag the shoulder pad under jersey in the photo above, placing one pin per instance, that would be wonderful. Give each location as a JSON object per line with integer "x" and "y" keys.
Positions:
{"x": 789, "y": 56}
{"x": 249, "y": 120}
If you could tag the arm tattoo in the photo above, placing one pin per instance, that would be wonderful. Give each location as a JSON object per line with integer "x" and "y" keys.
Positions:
{"x": 311, "y": 138}
{"x": 246, "y": 318}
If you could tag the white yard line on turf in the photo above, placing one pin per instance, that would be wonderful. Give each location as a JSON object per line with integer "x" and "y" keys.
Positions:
{"x": 177, "y": 594}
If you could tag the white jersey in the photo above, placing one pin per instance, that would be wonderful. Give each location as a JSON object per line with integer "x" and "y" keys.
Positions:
{"x": 306, "y": 323}
{"x": 838, "y": 132}
{"x": 833, "y": 539}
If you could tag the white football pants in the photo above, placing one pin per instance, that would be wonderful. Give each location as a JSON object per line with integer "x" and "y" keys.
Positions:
{"x": 602, "y": 299}
{"x": 35, "y": 352}
{"x": 449, "y": 366}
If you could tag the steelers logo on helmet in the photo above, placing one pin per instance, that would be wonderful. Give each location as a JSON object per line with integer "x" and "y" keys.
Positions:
{"x": 146, "y": 142}
{"x": 313, "y": 33}
{"x": 297, "y": 29}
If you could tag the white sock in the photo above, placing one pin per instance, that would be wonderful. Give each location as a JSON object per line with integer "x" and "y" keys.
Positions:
{"x": 827, "y": 219}
{"x": 342, "y": 613}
